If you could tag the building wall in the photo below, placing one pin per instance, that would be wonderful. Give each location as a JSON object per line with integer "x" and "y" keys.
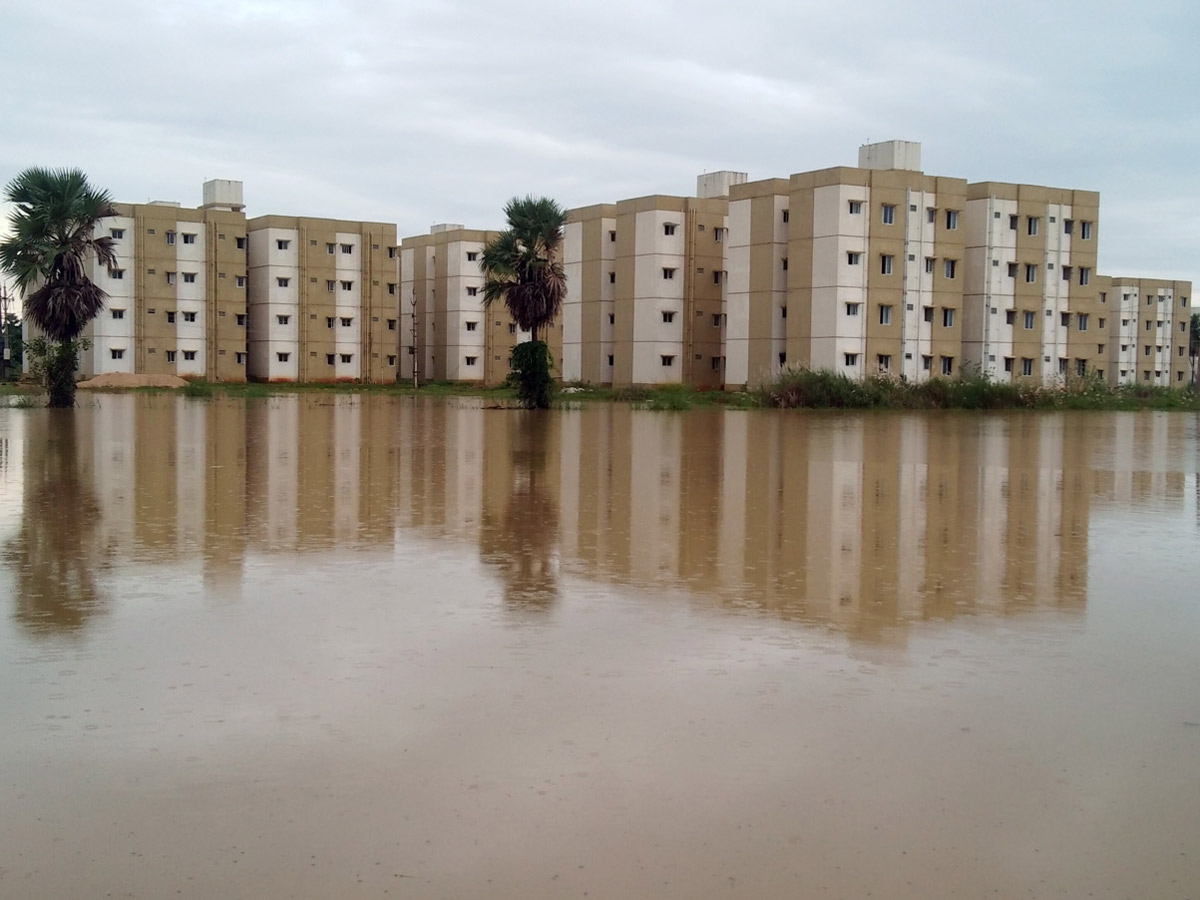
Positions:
{"x": 589, "y": 261}
{"x": 323, "y": 300}
{"x": 1153, "y": 318}
{"x": 756, "y": 282}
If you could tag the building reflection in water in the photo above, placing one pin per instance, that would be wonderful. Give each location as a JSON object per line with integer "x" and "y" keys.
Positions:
{"x": 859, "y": 522}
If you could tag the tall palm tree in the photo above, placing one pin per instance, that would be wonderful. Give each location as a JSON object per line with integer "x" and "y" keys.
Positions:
{"x": 521, "y": 268}
{"x": 53, "y": 237}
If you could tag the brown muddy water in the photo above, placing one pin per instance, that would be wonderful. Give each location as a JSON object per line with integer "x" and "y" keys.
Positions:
{"x": 347, "y": 646}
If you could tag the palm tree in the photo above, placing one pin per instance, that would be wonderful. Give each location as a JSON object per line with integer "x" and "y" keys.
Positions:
{"x": 53, "y": 237}
{"x": 521, "y": 268}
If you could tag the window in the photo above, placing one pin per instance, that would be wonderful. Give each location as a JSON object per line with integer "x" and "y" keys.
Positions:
{"x": 330, "y": 247}
{"x": 330, "y": 285}
{"x": 1031, "y": 225}
{"x": 1026, "y": 365}
{"x": 472, "y": 292}
{"x": 1066, "y": 273}
{"x": 668, "y": 317}
{"x": 170, "y": 237}
{"x": 117, "y": 354}
{"x": 329, "y": 358}
{"x": 1149, "y": 325}
{"x": 1014, "y": 222}
{"x": 612, "y": 319}
{"x": 117, "y": 274}
{"x": 170, "y": 277}
{"x": 667, "y": 359}
{"x": 610, "y": 359}
{"x": 189, "y": 355}
{"x": 347, "y": 321}
{"x": 472, "y": 255}
{"x": 889, "y": 214}
{"x": 931, "y": 214}
{"x": 927, "y": 363}
{"x": 929, "y": 261}
{"x": 1030, "y": 321}
{"x": 783, "y": 312}
{"x": 282, "y": 320}
{"x": 189, "y": 277}
{"x": 951, "y": 268}
{"x": 1082, "y": 321}
{"x": 853, "y": 258}
{"x": 927, "y": 313}
{"x": 116, "y": 233}
{"x": 391, "y": 360}
{"x": 471, "y": 326}
{"x": 716, "y": 320}
{"x": 784, "y": 262}
{"x": 719, "y": 276}
{"x": 189, "y": 317}
{"x": 717, "y": 362}
{"x": 118, "y": 313}
{"x": 241, "y": 319}
{"x": 1010, "y": 317}
{"x": 282, "y": 245}
{"x": 512, "y": 328}
{"x": 170, "y": 317}
{"x": 347, "y": 285}
{"x": 851, "y": 359}
{"x": 241, "y": 281}
{"x": 1066, "y": 320}
{"x": 947, "y": 317}
{"x": 1100, "y": 323}
{"x": 329, "y": 321}
{"x": 241, "y": 243}
{"x": 952, "y": 220}
{"x": 612, "y": 236}
{"x": 391, "y": 324}
{"x": 885, "y": 264}
{"x": 1008, "y": 361}
{"x": 947, "y": 365}
{"x": 885, "y": 315}
{"x": 782, "y": 359}
{"x": 852, "y": 309}
{"x": 283, "y": 357}
{"x": 1030, "y": 273}
{"x": 347, "y": 249}
{"x": 612, "y": 277}
{"x": 1081, "y": 367}
{"x": 718, "y": 234}
{"x": 189, "y": 237}
{"x": 1085, "y": 275}
{"x": 170, "y": 356}
{"x": 884, "y": 361}
{"x": 668, "y": 273}
{"x": 785, "y": 217}
{"x": 855, "y": 207}
{"x": 1062, "y": 366}
{"x": 349, "y": 357}
{"x": 283, "y": 282}
{"x": 668, "y": 228}
{"x": 1085, "y": 231}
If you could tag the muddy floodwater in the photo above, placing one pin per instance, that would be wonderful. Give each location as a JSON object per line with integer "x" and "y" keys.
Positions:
{"x": 362, "y": 646}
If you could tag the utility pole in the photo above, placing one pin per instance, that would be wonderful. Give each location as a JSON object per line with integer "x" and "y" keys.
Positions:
{"x": 413, "y": 348}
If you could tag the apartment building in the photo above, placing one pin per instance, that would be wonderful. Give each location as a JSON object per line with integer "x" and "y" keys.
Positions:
{"x": 445, "y": 329}
{"x": 323, "y": 300}
{"x": 1035, "y": 309}
{"x": 877, "y": 280}
{"x": 177, "y": 294}
{"x": 646, "y": 288}
{"x": 1151, "y": 331}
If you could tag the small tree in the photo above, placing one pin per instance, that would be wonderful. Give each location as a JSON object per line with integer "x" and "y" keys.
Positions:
{"x": 53, "y": 238}
{"x": 521, "y": 267}
{"x": 13, "y": 342}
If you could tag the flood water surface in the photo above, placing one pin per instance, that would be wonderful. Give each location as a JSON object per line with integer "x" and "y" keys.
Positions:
{"x": 313, "y": 647}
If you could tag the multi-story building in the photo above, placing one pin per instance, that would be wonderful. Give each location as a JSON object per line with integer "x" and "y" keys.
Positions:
{"x": 323, "y": 300}
{"x": 646, "y": 285}
{"x": 875, "y": 267}
{"x": 1150, "y": 331}
{"x": 1033, "y": 303}
{"x": 177, "y": 294}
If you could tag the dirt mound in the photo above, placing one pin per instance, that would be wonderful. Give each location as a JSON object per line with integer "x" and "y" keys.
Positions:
{"x": 127, "y": 380}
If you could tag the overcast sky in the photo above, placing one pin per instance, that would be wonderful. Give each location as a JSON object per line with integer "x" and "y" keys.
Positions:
{"x": 418, "y": 112}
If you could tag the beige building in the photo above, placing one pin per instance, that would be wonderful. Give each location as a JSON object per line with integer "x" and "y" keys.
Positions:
{"x": 323, "y": 300}
{"x": 853, "y": 270}
{"x": 177, "y": 295}
{"x": 646, "y": 282}
{"x": 1035, "y": 309}
{"x": 1151, "y": 331}
{"x": 441, "y": 290}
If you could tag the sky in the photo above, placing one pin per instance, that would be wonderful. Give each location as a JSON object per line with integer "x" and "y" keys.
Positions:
{"x": 420, "y": 112}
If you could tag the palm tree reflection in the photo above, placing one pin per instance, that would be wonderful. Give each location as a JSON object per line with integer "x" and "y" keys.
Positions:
{"x": 521, "y": 539}
{"x": 56, "y": 552}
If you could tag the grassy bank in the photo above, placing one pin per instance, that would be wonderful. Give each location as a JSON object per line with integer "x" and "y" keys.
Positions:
{"x": 804, "y": 389}
{"x": 795, "y": 389}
